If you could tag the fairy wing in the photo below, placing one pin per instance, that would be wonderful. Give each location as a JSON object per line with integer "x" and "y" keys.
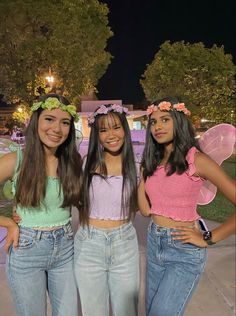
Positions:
{"x": 217, "y": 142}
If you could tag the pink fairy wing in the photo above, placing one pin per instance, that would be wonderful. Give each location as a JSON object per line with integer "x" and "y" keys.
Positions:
{"x": 217, "y": 142}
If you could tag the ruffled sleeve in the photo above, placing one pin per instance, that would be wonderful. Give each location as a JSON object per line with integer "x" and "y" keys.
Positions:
{"x": 190, "y": 159}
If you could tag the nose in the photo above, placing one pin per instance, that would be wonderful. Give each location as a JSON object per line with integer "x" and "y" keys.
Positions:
{"x": 157, "y": 126}
{"x": 56, "y": 127}
{"x": 110, "y": 133}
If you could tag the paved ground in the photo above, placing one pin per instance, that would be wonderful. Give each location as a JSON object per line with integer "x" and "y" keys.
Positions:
{"x": 215, "y": 295}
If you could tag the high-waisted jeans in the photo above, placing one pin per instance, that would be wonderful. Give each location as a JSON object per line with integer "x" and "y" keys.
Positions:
{"x": 107, "y": 267}
{"x": 173, "y": 272}
{"x": 43, "y": 262}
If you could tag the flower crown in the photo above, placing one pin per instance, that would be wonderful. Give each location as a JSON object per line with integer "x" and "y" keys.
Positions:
{"x": 167, "y": 106}
{"x": 53, "y": 103}
{"x": 102, "y": 109}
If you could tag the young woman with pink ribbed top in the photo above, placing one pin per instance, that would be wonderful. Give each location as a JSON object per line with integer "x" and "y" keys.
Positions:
{"x": 106, "y": 248}
{"x": 174, "y": 169}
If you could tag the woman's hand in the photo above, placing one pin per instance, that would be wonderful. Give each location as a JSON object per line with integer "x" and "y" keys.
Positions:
{"x": 16, "y": 218}
{"x": 12, "y": 236}
{"x": 189, "y": 235}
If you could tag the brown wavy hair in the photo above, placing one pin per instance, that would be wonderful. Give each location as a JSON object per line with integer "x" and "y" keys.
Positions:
{"x": 32, "y": 178}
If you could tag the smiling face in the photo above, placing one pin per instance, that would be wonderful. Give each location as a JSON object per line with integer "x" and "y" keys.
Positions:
{"x": 53, "y": 127}
{"x": 111, "y": 133}
{"x": 162, "y": 127}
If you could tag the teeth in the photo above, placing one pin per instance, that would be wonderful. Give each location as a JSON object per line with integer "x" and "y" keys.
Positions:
{"x": 54, "y": 137}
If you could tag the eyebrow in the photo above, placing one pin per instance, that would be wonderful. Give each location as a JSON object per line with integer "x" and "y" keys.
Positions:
{"x": 164, "y": 115}
{"x": 52, "y": 116}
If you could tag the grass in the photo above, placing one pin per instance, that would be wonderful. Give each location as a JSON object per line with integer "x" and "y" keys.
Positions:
{"x": 218, "y": 210}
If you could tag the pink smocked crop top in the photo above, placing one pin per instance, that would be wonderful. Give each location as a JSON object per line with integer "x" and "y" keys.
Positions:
{"x": 175, "y": 196}
{"x": 106, "y": 198}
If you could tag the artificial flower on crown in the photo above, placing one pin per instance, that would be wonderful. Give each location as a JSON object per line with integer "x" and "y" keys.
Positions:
{"x": 53, "y": 103}
{"x": 181, "y": 108}
{"x": 167, "y": 106}
{"x": 102, "y": 109}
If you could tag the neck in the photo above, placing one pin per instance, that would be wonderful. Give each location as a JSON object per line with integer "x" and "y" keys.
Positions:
{"x": 49, "y": 152}
{"x": 113, "y": 163}
{"x": 168, "y": 149}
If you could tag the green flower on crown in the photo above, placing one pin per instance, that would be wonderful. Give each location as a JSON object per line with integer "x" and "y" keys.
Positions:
{"x": 53, "y": 103}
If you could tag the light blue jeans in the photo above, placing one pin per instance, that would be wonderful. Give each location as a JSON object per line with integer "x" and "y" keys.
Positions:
{"x": 173, "y": 272}
{"x": 107, "y": 268}
{"x": 43, "y": 262}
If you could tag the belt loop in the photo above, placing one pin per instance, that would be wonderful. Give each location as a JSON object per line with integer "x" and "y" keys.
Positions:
{"x": 169, "y": 236}
{"x": 38, "y": 234}
{"x": 66, "y": 228}
{"x": 90, "y": 230}
{"x": 121, "y": 232}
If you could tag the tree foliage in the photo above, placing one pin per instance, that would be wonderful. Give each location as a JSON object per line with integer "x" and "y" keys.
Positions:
{"x": 70, "y": 36}
{"x": 22, "y": 114}
{"x": 202, "y": 77}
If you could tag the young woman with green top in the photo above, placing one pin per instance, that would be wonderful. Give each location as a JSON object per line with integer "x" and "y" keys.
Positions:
{"x": 46, "y": 179}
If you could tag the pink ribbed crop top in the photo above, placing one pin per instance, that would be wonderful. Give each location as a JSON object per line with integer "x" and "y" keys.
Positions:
{"x": 175, "y": 196}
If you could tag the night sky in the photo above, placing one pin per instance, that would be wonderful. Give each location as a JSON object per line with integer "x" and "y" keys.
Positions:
{"x": 140, "y": 27}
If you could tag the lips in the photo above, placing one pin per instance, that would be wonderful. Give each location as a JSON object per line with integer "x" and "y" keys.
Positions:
{"x": 157, "y": 135}
{"x": 113, "y": 143}
{"x": 54, "y": 138}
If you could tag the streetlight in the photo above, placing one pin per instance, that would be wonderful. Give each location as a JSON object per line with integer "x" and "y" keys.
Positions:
{"x": 50, "y": 78}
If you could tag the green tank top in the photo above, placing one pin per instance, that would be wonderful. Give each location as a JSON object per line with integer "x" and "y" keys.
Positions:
{"x": 49, "y": 213}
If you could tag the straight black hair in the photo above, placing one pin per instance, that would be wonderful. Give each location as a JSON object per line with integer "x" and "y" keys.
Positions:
{"x": 95, "y": 161}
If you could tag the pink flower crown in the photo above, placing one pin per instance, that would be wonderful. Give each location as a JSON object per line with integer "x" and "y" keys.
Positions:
{"x": 105, "y": 110}
{"x": 167, "y": 106}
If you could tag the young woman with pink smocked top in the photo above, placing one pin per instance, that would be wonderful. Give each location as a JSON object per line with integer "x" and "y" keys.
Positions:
{"x": 106, "y": 249}
{"x": 173, "y": 171}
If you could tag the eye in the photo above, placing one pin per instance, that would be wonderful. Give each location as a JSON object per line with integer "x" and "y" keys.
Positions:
{"x": 117, "y": 127}
{"x": 165, "y": 119}
{"x": 67, "y": 123}
{"x": 152, "y": 122}
{"x": 49, "y": 119}
{"x": 102, "y": 130}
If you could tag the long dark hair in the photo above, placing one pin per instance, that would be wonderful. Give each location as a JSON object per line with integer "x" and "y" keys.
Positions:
{"x": 183, "y": 140}
{"x": 31, "y": 183}
{"x": 95, "y": 161}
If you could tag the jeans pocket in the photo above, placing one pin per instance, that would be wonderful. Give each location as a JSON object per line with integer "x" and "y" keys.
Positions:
{"x": 25, "y": 242}
{"x": 131, "y": 236}
{"x": 81, "y": 234}
{"x": 69, "y": 234}
{"x": 185, "y": 247}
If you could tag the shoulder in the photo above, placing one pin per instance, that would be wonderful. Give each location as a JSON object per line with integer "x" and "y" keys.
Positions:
{"x": 205, "y": 165}
{"x": 10, "y": 157}
{"x": 7, "y": 165}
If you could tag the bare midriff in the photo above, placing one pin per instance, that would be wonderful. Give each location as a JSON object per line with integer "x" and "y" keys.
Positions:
{"x": 102, "y": 223}
{"x": 169, "y": 222}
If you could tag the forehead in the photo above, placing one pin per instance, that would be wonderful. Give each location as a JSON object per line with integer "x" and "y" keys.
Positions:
{"x": 57, "y": 113}
{"x": 159, "y": 114}
{"x": 110, "y": 119}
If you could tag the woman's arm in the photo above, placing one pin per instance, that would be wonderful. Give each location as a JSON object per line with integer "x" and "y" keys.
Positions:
{"x": 7, "y": 166}
{"x": 210, "y": 170}
{"x": 143, "y": 202}
{"x": 12, "y": 232}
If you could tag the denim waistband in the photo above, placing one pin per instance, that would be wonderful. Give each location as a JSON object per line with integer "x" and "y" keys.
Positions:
{"x": 110, "y": 232}
{"x": 37, "y": 233}
{"x": 160, "y": 230}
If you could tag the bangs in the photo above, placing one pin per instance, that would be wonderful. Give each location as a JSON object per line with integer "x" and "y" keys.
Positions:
{"x": 109, "y": 120}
